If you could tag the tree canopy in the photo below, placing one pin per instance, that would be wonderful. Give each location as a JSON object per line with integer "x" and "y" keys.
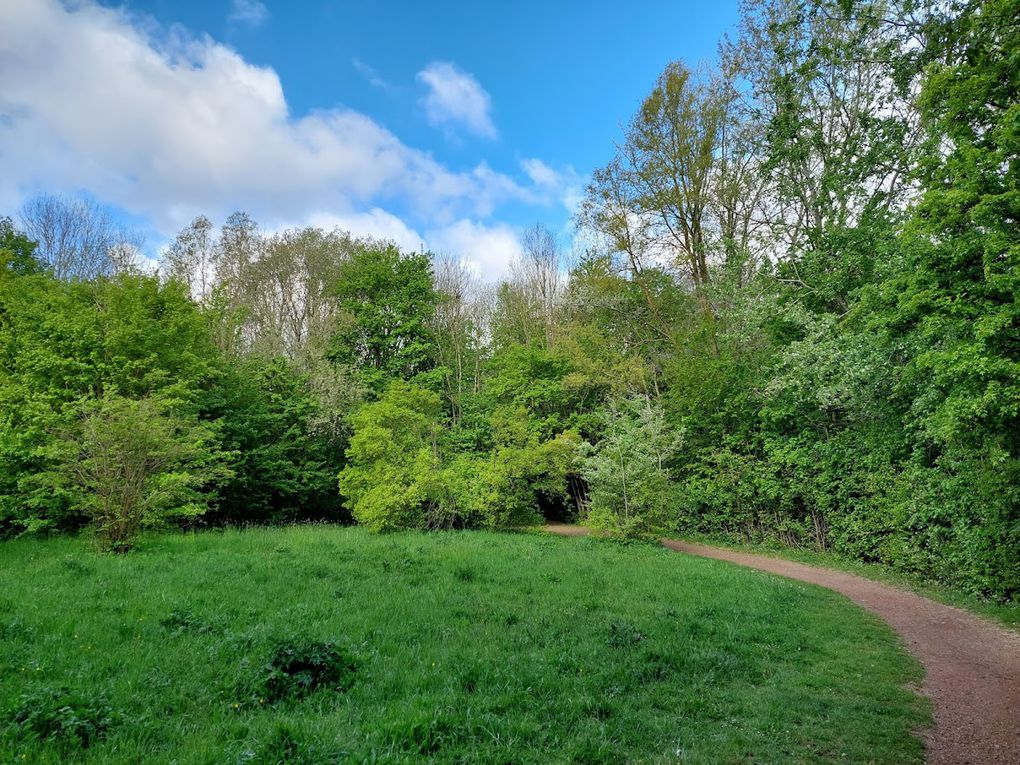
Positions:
{"x": 795, "y": 319}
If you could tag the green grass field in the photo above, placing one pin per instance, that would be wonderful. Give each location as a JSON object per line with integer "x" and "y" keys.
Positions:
{"x": 319, "y": 644}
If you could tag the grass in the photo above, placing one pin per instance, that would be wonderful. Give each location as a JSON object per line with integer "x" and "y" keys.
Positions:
{"x": 320, "y": 644}
{"x": 1007, "y": 614}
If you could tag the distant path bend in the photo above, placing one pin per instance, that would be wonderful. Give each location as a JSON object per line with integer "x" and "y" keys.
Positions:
{"x": 971, "y": 664}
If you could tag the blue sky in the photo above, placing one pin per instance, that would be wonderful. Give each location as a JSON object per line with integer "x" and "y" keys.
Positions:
{"x": 448, "y": 124}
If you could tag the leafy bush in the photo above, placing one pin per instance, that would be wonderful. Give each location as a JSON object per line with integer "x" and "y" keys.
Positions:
{"x": 298, "y": 668}
{"x": 137, "y": 465}
{"x": 403, "y": 471}
{"x": 66, "y": 717}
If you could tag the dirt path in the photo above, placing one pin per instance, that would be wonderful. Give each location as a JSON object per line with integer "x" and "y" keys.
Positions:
{"x": 972, "y": 665}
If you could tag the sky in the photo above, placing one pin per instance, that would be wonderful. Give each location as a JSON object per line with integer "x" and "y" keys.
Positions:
{"x": 448, "y": 126}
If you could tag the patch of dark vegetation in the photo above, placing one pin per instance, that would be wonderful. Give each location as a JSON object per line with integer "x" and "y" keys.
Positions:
{"x": 299, "y": 668}
{"x": 598, "y": 710}
{"x": 623, "y": 634}
{"x": 319, "y": 572}
{"x": 67, "y": 718}
{"x": 183, "y": 620}
{"x": 16, "y": 629}
{"x": 75, "y": 566}
{"x": 597, "y": 753}
{"x": 471, "y": 679}
{"x": 656, "y": 667}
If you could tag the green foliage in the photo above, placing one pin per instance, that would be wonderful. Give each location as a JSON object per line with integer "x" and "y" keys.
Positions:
{"x": 406, "y": 469}
{"x": 68, "y": 719}
{"x": 519, "y": 479}
{"x": 392, "y": 456}
{"x": 861, "y": 393}
{"x": 628, "y": 470}
{"x": 386, "y": 300}
{"x": 296, "y": 669}
{"x": 284, "y": 461}
{"x": 135, "y": 464}
{"x": 66, "y": 345}
{"x": 17, "y": 251}
{"x": 803, "y": 262}
{"x": 78, "y": 358}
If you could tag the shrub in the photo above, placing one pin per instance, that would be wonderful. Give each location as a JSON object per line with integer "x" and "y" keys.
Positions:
{"x": 137, "y": 465}
{"x": 297, "y": 669}
{"x": 67, "y": 718}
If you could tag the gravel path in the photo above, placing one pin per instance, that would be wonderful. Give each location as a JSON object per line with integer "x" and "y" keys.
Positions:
{"x": 972, "y": 665}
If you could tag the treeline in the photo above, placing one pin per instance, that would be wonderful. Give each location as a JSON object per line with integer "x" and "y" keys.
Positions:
{"x": 795, "y": 318}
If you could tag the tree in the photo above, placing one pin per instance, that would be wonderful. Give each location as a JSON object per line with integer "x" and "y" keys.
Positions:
{"x": 392, "y": 457}
{"x": 539, "y": 275}
{"x": 64, "y": 345}
{"x": 652, "y": 201}
{"x": 284, "y": 463}
{"x": 954, "y": 305}
{"x": 238, "y": 251}
{"x": 829, "y": 84}
{"x": 292, "y": 294}
{"x": 77, "y": 239}
{"x": 386, "y": 302}
{"x": 628, "y": 470}
{"x": 17, "y": 251}
{"x": 459, "y": 324}
{"x": 137, "y": 464}
{"x": 192, "y": 259}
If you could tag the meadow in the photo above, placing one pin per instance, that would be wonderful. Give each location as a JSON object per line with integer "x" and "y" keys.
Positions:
{"x": 321, "y": 644}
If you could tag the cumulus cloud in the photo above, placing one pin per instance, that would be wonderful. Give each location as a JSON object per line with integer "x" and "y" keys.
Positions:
{"x": 250, "y": 13}
{"x": 376, "y": 223}
{"x": 169, "y": 126}
{"x": 486, "y": 250}
{"x": 456, "y": 98}
{"x": 566, "y": 185}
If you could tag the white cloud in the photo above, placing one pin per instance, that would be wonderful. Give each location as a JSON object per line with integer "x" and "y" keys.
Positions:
{"x": 566, "y": 186}
{"x": 376, "y": 223}
{"x": 170, "y": 126}
{"x": 487, "y": 250}
{"x": 251, "y": 13}
{"x": 540, "y": 173}
{"x": 167, "y": 126}
{"x": 455, "y": 97}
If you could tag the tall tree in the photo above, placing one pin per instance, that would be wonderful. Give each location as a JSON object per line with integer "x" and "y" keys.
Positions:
{"x": 77, "y": 238}
{"x": 652, "y": 200}
{"x": 386, "y": 301}
{"x": 956, "y": 300}
{"x": 460, "y": 324}
{"x": 192, "y": 259}
{"x": 829, "y": 83}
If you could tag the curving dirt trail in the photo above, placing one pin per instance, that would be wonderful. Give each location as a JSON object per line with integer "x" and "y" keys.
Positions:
{"x": 972, "y": 665}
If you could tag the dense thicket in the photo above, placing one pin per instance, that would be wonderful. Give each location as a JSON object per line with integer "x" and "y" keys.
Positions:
{"x": 795, "y": 318}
